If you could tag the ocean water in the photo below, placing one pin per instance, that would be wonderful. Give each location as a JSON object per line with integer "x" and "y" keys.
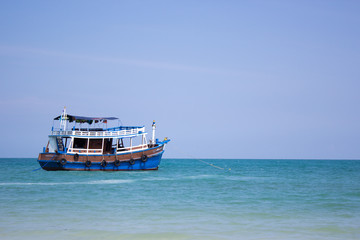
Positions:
{"x": 184, "y": 199}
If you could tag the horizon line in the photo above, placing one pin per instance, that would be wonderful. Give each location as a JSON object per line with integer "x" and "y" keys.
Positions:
{"x": 331, "y": 159}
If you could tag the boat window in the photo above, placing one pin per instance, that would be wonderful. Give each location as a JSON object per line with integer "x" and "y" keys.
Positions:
{"x": 80, "y": 143}
{"x": 126, "y": 142}
{"x": 120, "y": 143}
{"x": 95, "y": 144}
{"x": 136, "y": 141}
{"x": 107, "y": 145}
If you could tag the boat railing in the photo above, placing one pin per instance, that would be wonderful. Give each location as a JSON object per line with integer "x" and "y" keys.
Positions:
{"x": 100, "y": 133}
{"x": 86, "y": 151}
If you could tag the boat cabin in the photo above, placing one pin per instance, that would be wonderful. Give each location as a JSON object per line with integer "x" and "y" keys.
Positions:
{"x": 91, "y": 136}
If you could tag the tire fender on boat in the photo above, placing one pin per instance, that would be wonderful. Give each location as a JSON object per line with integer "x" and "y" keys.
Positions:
{"x": 132, "y": 161}
{"x": 103, "y": 163}
{"x": 117, "y": 163}
{"x": 88, "y": 163}
{"x": 63, "y": 161}
{"x": 76, "y": 157}
{"x": 144, "y": 158}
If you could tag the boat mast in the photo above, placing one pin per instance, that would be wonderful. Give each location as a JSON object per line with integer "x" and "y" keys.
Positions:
{"x": 63, "y": 120}
{"x": 153, "y": 132}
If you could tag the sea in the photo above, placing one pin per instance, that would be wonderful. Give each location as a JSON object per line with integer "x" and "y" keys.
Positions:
{"x": 184, "y": 199}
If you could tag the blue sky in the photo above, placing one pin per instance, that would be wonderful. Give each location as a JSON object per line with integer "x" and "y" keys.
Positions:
{"x": 223, "y": 79}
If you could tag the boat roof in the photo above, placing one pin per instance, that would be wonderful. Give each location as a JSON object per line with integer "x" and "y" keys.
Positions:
{"x": 73, "y": 118}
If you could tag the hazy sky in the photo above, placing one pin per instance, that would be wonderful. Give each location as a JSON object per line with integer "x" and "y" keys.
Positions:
{"x": 223, "y": 79}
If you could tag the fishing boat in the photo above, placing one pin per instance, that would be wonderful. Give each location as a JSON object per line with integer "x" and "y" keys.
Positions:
{"x": 97, "y": 147}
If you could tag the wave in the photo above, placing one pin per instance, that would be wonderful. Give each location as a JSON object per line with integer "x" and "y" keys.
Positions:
{"x": 111, "y": 181}
{"x": 150, "y": 179}
{"x": 202, "y": 176}
{"x": 157, "y": 179}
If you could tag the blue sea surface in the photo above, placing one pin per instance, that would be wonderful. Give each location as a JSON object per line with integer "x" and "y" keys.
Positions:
{"x": 184, "y": 199}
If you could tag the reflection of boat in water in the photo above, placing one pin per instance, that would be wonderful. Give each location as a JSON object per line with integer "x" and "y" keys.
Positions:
{"x": 97, "y": 148}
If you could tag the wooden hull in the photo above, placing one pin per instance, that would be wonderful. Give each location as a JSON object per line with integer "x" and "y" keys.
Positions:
{"x": 109, "y": 162}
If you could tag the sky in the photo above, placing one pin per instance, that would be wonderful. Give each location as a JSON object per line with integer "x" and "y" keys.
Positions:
{"x": 222, "y": 79}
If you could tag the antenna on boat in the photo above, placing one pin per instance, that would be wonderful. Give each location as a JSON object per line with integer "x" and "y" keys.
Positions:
{"x": 63, "y": 119}
{"x": 153, "y": 132}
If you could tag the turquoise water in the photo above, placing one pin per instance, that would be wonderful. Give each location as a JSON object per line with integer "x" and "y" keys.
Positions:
{"x": 184, "y": 199}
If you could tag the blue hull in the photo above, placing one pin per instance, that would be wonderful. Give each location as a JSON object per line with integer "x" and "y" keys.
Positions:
{"x": 152, "y": 163}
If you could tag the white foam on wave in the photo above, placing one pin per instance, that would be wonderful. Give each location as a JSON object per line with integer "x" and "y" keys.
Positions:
{"x": 111, "y": 181}
{"x": 158, "y": 179}
{"x": 203, "y": 176}
{"x": 29, "y": 183}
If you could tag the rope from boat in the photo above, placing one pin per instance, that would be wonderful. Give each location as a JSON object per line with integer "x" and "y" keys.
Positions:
{"x": 45, "y": 163}
{"x": 210, "y": 164}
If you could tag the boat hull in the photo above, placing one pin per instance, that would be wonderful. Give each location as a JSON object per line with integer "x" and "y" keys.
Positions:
{"x": 111, "y": 162}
